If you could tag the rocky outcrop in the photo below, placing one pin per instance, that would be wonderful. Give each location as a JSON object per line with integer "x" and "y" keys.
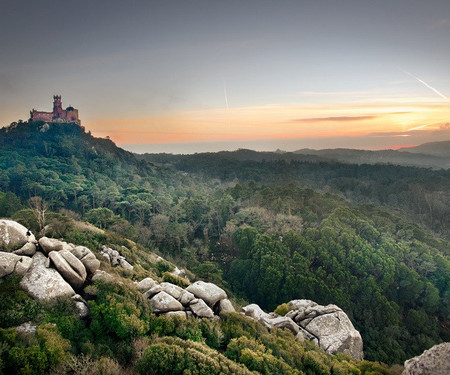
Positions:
{"x": 255, "y": 312}
{"x": 281, "y": 322}
{"x": 114, "y": 258}
{"x": 70, "y": 267}
{"x": 208, "y": 292}
{"x": 14, "y": 235}
{"x": 327, "y": 326}
{"x": 10, "y": 263}
{"x": 29, "y": 249}
{"x": 145, "y": 284}
{"x": 47, "y": 245}
{"x": 163, "y": 302}
{"x": 200, "y": 308}
{"x": 435, "y": 361}
{"x": 171, "y": 300}
{"x": 224, "y": 305}
{"x": 87, "y": 257}
{"x": 44, "y": 283}
{"x": 103, "y": 276}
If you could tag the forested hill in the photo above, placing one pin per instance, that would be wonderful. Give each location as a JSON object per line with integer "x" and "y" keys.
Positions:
{"x": 266, "y": 230}
{"x": 422, "y": 194}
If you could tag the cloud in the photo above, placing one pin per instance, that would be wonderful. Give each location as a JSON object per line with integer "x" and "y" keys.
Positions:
{"x": 336, "y": 119}
{"x": 389, "y": 134}
{"x": 445, "y": 126}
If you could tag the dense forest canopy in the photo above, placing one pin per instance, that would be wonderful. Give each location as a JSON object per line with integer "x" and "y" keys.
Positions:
{"x": 369, "y": 238}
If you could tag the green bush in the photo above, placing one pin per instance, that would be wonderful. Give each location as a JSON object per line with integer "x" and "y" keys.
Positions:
{"x": 256, "y": 357}
{"x": 27, "y": 353}
{"x": 174, "y": 279}
{"x": 119, "y": 311}
{"x": 175, "y": 356}
{"x": 212, "y": 332}
{"x": 163, "y": 266}
{"x": 16, "y": 306}
{"x": 315, "y": 363}
{"x": 282, "y": 309}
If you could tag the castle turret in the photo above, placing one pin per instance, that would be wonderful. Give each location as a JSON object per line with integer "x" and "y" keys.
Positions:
{"x": 57, "y": 106}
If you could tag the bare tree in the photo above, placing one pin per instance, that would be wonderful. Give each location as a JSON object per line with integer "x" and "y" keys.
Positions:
{"x": 39, "y": 207}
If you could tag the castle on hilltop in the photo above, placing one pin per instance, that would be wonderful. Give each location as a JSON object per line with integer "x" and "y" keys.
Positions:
{"x": 59, "y": 114}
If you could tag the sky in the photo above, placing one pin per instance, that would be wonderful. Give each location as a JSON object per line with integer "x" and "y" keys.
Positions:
{"x": 192, "y": 76}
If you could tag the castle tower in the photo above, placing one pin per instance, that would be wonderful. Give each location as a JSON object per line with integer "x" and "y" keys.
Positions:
{"x": 57, "y": 106}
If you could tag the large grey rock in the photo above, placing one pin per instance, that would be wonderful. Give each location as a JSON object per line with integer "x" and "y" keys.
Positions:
{"x": 174, "y": 290}
{"x": 301, "y": 304}
{"x": 14, "y": 235}
{"x": 434, "y": 361}
{"x": 81, "y": 306}
{"x": 208, "y": 292}
{"x": 304, "y": 335}
{"x": 44, "y": 283}
{"x": 336, "y": 334}
{"x": 111, "y": 255}
{"x": 145, "y": 284}
{"x": 10, "y": 263}
{"x": 103, "y": 276}
{"x": 186, "y": 297}
{"x": 163, "y": 302}
{"x": 23, "y": 265}
{"x": 281, "y": 322}
{"x": 225, "y": 305}
{"x": 201, "y": 309}
{"x": 50, "y": 244}
{"x": 180, "y": 314}
{"x": 255, "y": 312}
{"x": 70, "y": 267}
{"x": 7, "y": 263}
{"x": 154, "y": 290}
{"x": 28, "y": 249}
{"x": 124, "y": 264}
{"x": 304, "y": 316}
{"x": 87, "y": 257}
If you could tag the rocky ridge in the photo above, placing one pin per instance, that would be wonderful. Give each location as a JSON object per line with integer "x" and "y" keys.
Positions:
{"x": 327, "y": 326}
{"x": 52, "y": 268}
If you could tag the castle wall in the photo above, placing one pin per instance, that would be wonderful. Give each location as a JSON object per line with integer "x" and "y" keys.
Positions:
{"x": 41, "y": 116}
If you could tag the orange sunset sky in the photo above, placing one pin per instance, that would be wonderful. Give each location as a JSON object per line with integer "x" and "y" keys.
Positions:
{"x": 183, "y": 77}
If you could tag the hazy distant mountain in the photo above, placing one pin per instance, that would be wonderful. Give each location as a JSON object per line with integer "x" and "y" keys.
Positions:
{"x": 429, "y": 155}
{"x": 441, "y": 149}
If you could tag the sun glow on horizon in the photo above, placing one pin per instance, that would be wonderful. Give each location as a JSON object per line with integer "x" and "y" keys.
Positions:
{"x": 392, "y": 118}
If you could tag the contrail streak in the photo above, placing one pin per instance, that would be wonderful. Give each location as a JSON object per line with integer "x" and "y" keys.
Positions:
{"x": 417, "y": 128}
{"x": 425, "y": 84}
{"x": 225, "y": 93}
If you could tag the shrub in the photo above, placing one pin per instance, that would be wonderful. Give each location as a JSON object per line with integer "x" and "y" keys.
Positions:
{"x": 174, "y": 279}
{"x": 32, "y": 353}
{"x": 174, "y": 356}
{"x": 163, "y": 266}
{"x": 212, "y": 333}
{"x": 314, "y": 363}
{"x": 16, "y": 306}
{"x": 283, "y": 309}
{"x": 235, "y": 325}
{"x": 120, "y": 311}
